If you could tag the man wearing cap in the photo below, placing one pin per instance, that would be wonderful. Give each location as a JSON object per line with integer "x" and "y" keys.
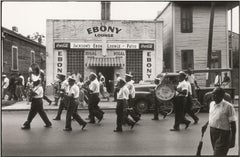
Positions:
{"x": 179, "y": 103}
{"x": 72, "y": 92}
{"x": 156, "y": 103}
{"x": 122, "y": 97}
{"x": 61, "y": 89}
{"x": 94, "y": 109}
{"x": 36, "y": 105}
{"x": 222, "y": 122}
{"x": 5, "y": 84}
{"x": 133, "y": 111}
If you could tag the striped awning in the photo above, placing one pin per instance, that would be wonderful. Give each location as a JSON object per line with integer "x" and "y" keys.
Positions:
{"x": 105, "y": 61}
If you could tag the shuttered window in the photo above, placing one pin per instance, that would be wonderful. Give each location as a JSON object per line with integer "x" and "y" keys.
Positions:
{"x": 186, "y": 20}
{"x": 14, "y": 58}
{"x": 187, "y": 59}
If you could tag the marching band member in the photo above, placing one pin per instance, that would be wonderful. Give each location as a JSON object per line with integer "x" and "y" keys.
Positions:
{"x": 72, "y": 92}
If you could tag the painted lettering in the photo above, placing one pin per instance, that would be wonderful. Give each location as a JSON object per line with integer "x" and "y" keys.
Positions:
{"x": 149, "y": 75}
{"x": 59, "y": 53}
{"x": 149, "y": 65}
{"x": 59, "y": 70}
{"x": 95, "y": 29}
{"x": 118, "y": 30}
{"x": 89, "y": 30}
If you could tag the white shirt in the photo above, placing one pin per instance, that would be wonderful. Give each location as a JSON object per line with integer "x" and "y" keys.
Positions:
{"x": 64, "y": 84}
{"x": 131, "y": 88}
{"x": 189, "y": 88}
{"x": 76, "y": 77}
{"x": 94, "y": 86}
{"x": 39, "y": 91}
{"x": 123, "y": 93}
{"x": 6, "y": 81}
{"x": 73, "y": 90}
{"x": 220, "y": 115}
{"x": 183, "y": 86}
{"x": 191, "y": 78}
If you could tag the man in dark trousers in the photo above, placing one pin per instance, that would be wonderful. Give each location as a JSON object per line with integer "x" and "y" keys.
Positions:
{"x": 72, "y": 92}
{"x": 156, "y": 103}
{"x": 36, "y": 105}
{"x": 122, "y": 97}
{"x": 179, "y": 102}
{"x": 222, "y": 122}
{"x": 94, "y": 109}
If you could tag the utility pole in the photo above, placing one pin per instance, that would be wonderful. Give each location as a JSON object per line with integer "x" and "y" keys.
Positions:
{"x": 210, "y": 34}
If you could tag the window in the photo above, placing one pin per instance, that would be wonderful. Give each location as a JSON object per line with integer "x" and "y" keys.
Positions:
{"x": 75, "y": 61}
{"x": 14, "y": 58}
{"x": 32, "y": 57}
{"x": 215, "y": 63}
{"x": 186, "y": 20}
{"x": 187, "y": 59}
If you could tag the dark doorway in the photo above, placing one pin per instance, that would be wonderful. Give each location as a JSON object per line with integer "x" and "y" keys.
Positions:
{"x": 108, "y": 73}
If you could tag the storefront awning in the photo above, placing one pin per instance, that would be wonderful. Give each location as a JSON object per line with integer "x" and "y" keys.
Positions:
{"x": 105, "y": 61}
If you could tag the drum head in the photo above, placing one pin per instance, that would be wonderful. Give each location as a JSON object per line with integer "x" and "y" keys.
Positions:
{"x": 164, "y": 92}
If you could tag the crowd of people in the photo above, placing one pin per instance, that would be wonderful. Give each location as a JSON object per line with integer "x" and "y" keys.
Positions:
{"x": 71, "y": 91}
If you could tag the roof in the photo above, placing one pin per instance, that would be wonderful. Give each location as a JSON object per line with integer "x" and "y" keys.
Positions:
{"x": 19, "y": 36}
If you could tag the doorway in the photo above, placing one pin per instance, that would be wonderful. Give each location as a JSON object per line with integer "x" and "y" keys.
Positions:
{"x": 108, "y": 73}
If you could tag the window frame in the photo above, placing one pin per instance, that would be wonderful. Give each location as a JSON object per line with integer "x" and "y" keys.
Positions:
{"x": 12, "y": 68}
{"x": 188, "y": 20}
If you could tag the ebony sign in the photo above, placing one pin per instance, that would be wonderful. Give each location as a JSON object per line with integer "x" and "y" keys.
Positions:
{"x": 146, "y": 46}
{"x": 62, "y": 45}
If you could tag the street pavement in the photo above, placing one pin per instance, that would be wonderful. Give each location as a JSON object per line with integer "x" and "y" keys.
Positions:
{"x": 146, "y": 138}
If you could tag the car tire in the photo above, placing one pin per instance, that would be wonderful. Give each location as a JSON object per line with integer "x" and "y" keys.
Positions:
{"x": 142, "y": 106}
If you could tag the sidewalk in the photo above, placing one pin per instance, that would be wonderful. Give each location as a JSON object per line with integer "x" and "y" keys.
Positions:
{"x": 24, "y": 106}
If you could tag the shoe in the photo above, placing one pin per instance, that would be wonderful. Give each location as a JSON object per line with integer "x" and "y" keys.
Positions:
{"x": 57, "y": 118}
{"x": 175, "y": 129}
{"x": 133, "y": 125}
{"x": 117, "y": 130}
{"x": 187, "y": 124}
{"x": 67, "y": 129}
{"x": 84, "y": 125}
{"x": 196, "y": 121}
{"x": 100, "y": 120}
{"x": 155, "y": 119}
{"x": 48, "y": 126}
{"x": 25, "y": 127}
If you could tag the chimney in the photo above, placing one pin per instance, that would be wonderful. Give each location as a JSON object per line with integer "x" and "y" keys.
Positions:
{"x": 14, "y": 29}
{"x": 105, "y": 10}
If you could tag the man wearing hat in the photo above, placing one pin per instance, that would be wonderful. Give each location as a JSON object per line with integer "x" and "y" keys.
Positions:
{"x": 72, "y": 92}
{"x": 133, "y": 111}
{"x": 37, "y": 104}
{"x": 94, "y": 110}
{"x": 5, "y": 84}
{"x": 122, "y": 97}
{"x": 179, "y": 103}
{"x": 156, "y": 103}
{"x": 222, "y": 122}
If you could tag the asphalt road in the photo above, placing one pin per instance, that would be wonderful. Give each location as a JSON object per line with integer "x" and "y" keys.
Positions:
{"x": 147, "y": 137}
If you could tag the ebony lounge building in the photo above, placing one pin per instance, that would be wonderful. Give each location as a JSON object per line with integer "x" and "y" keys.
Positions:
{"x": 107, "y": 46}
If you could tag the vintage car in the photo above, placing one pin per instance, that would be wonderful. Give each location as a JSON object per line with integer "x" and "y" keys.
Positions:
{"x": 144, "y": 93}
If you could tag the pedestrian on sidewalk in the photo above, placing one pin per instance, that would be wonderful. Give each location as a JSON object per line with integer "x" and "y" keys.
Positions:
{"x": 94, "y": 99}
{"x": 121, "y": 109}
{"x": 179, "y": 103}
{"x": 222, "y": 122}
{"x": 72, "y": 94}
{"x": 36, "y": 105}
{"x": 12, "y": 87}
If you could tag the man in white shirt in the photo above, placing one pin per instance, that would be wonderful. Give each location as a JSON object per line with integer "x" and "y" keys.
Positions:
{"x": 5, "y": 84}
{"x": 179, "y": 103}
{"x": 94, "y": 109}
{"x": 122, "y": 97}
{"x": 72, "y": 93}
{"x": 116, "y": 86}
{"x": 222, "y": 122}
{"x": 36, "y": 105}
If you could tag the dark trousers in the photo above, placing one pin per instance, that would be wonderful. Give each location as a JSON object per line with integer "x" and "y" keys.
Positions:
{"x": 134, "y": 113}
{"x": 122, "y": 114}
{"x": 220, "y": 141}
{"x": 72, "y": 112}
{"x": 60, "y": 108}
{"x": 37, "y": 107}
{"x": 94, "y": 109}
{"x": 179, "y": 105}
{"x": 188, "y": 108}
{"x": 157, "y": 107}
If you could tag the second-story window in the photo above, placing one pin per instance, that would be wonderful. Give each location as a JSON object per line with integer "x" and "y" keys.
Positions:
{"x": 186, "y": 20}
{"x": 32, "y": 57}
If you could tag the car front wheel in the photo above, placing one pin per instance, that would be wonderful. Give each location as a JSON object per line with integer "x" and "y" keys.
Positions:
{"x": 142, "y": 106}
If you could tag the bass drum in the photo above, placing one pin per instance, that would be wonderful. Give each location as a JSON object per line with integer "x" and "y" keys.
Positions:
{"x": 164, "y": 92}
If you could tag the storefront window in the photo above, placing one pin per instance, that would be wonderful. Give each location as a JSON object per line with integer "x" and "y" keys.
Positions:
{"x": 75, "y": 61}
